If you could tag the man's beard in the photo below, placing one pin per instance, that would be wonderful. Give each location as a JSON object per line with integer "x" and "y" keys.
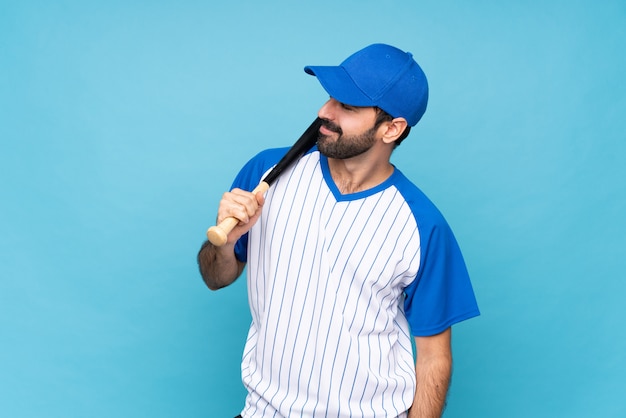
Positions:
{"x": 345, "y": 146}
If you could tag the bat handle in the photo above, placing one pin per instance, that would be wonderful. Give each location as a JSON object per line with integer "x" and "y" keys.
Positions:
{"x": 218, "y": 234}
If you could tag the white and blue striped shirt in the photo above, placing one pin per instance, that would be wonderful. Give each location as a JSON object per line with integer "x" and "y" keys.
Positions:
{"x": 328, "y": 275}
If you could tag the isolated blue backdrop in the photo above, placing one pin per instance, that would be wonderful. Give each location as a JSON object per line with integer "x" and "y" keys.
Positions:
{"x": 122, "y": 123}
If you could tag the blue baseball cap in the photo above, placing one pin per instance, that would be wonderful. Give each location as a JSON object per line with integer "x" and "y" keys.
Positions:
{"x": 378, "y": 75}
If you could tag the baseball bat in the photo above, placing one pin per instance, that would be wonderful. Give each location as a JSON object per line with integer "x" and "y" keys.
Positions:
{"x": 218, "y": 234}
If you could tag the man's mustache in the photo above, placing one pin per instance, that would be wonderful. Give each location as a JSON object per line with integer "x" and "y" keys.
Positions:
{"x": 331, "y": 126}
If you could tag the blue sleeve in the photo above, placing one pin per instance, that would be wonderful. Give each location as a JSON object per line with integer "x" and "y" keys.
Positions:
{"x": 248, "y": 178}
{"x": 441, "y": 294}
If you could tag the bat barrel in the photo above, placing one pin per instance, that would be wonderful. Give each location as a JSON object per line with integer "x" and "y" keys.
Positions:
{"x": 297, "y": 150}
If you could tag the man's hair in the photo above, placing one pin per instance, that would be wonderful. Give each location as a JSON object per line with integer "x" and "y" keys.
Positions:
{"x": 382, "y": 116}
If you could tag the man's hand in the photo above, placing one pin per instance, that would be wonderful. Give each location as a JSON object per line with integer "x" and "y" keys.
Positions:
{"x": 241, "y": 205}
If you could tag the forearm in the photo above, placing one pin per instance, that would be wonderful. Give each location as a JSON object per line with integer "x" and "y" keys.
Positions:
{"x": 433, "y": 369}
{"x": 218, "y": 265}
{"x": 432, "y": 387}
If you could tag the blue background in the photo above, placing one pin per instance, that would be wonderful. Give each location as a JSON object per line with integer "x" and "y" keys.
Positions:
{"x": 122, "y": 123}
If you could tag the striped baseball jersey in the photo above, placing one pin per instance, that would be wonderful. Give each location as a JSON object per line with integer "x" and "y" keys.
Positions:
{"x": 336, "y": 286}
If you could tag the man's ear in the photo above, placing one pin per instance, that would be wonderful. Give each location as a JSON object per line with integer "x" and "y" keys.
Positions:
{"x": 394, "y": 129}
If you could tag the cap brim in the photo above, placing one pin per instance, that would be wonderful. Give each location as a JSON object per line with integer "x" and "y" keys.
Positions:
{"x": 339, "y": 85}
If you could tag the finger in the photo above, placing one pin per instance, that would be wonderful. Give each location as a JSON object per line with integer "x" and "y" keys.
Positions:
{"x": 241, "y": 205}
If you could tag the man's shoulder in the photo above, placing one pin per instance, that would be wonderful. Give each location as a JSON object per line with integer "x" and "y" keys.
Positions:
{"x": 423, "y": 208}
{"x": 265, "y": 159}
{"x": 270, "y": 155}
{"x": 259, "y": 165}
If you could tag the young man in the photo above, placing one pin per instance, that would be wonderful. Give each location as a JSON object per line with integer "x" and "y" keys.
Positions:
{"x": 346, "y": 259}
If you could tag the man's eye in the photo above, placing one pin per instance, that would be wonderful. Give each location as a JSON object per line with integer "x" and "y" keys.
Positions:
{"x": 347, "y": 107}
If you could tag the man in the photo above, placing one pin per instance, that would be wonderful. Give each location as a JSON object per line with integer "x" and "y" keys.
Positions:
{"x": 346, "y": 259}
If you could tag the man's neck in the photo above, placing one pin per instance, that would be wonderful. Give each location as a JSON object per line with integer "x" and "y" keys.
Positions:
{"x": 359, "y": 173}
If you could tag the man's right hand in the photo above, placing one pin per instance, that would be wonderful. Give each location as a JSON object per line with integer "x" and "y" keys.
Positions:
{"x": 242, "y": 205}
